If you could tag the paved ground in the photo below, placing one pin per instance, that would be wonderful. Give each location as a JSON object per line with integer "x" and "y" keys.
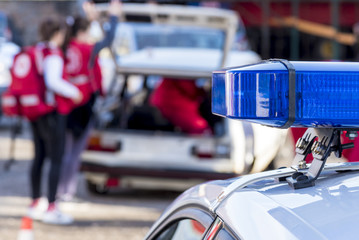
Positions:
{"x": 119, "y": 215}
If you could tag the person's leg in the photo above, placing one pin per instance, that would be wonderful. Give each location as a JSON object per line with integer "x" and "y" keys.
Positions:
{"x": 79, "y": 144}
{"x": 56, "y": 143}
{"x": 57, "y": 125}
{"x": 39, "y": 127}
{"x": 79, "y": 124}
{"x": 37, "y": 164}
{"x": 66, "y": 166}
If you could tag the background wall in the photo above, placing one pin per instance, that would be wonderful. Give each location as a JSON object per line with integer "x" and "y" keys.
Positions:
{"x": 25, "y": 16}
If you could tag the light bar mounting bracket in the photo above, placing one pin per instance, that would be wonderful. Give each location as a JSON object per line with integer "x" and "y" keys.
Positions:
{"x": 321, "y": 142}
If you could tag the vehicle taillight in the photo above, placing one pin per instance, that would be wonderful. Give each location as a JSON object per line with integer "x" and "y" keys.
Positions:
{"x": 112, "y": 182}
{"x": 205, "y": 152}
{"x": 95, "y": 144}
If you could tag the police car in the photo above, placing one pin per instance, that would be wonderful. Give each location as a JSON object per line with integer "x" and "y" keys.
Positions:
{"x": 133, "y": 145}
{"x": 305, "y": 201}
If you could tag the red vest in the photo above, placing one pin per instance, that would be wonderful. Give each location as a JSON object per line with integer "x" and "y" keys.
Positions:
{"x": 87, "y": 79}
{"x": 63, "y": 105}
{"x": 26, "y": 93}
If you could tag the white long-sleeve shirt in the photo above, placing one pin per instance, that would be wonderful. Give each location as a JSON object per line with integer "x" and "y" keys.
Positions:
{"x": 53, "y": 71}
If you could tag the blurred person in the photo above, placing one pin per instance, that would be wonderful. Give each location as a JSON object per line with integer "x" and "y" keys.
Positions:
{"x": 83, "y": 69}
{"x": 355, "y": 29}
{"x": 8, "y": 50}
{"x": 351, "y": 154}
{"x": 179, "y": 100}
{"x": 49, "y": 129}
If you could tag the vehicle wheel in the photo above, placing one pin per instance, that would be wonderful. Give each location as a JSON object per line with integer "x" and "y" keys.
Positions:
{"x": 96, "y": 188}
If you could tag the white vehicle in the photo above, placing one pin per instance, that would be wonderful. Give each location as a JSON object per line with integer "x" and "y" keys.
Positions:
{"x": 259, "y": 206}
{"x": 8, "y": 50}
{"x": 305, "y": 201}
{"x": 133, "y": 145}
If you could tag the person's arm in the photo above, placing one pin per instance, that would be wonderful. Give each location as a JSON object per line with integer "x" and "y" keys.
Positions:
{"x": 53, "y": 70}
{"x": 114, "y": 12}
{"x": 109, "y": 36}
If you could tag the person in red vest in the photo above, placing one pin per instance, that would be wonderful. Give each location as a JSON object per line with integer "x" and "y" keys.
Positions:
{"x": 179, "y": 100}
{"x": 83, "y": 69}
{"x": 49, "y": 129}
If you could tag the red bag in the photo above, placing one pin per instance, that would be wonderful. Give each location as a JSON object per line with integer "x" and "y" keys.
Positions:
{"x": 10, "y": 105}
{"x": 26, "y": 93}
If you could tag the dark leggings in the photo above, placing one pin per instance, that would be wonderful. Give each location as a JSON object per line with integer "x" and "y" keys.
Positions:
{"x": 49, "y": 140}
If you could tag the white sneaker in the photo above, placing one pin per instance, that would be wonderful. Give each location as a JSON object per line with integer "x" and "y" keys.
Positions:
{"x": 56, "y": 217}
{"x": 35, "y": 213}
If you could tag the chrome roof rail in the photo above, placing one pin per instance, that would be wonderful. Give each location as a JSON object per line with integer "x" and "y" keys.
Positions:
{"x": 246, "y": 180}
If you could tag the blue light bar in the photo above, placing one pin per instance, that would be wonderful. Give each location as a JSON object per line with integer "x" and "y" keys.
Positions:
{"x": 326, "y": 94}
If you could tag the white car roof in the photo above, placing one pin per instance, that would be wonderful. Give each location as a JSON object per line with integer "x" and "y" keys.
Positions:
{"x": 172, "y": 62}
{"x": 269, "y": 209}
{"x": 325, "y": 211}
{"x": 180, "y": 15}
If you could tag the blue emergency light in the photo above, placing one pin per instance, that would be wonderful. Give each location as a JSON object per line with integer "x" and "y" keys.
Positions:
{"x": 280, "y": 93}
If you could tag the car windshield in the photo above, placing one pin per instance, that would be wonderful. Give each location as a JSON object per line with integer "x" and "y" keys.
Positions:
{"x": 136, "y": 36}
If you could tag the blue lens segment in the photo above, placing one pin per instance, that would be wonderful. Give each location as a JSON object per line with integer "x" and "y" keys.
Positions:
{"x": 219, "y": 93}
{"x": 327, "y": 94}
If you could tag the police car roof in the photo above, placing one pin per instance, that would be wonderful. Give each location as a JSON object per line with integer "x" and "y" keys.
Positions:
{"x": 270, "y": 209}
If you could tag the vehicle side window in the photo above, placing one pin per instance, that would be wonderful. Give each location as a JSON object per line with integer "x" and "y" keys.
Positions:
{"x": 188, "y": 229}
